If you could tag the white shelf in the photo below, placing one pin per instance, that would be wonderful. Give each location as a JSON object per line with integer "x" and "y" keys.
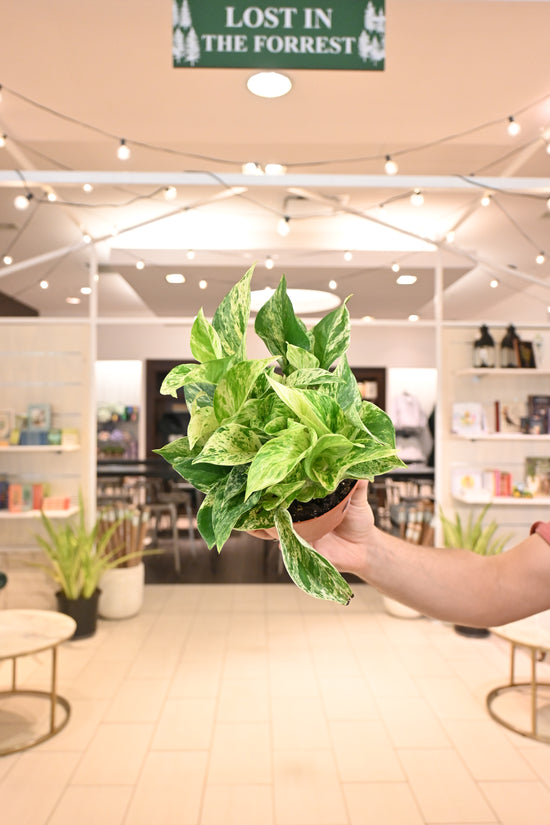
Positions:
{"x": 33, "y": 514}
{"x": 40, "y": 448}
{"x": 519, "y": 501}
{"x": 500, "y": 371}
{"x": 525, "y": 437}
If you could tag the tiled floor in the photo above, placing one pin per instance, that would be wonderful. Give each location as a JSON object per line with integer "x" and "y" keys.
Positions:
{"x": 256, "y": 705}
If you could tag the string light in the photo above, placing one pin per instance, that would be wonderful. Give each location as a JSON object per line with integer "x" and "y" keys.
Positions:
{"x": 514, "y": 127}
{"x": 486, "y": 200}
{"x": 494, "y": 283}
{"x": 540, "y": 259}
{"x": 123, "y": 151}
{"x": 140, "y": 264}
{"x": 283, "y": 226}
{"x": 269, "y": 263}
{"x": 190, "y": 254}
{"x": 332, "y": 284}
{"x": 417, "y": 198}
{"x": 88, "y": 187}
{"x": 252, "y": 168}
{"x": 390, "y": 166}
{"x": 51, "y": 196}
{"x": 22, "y": 202}
{"x": 548, "y": 148}
{"x": 395, "y": 267}
{"x": 86, "y": 238}
{"x": 203, "y": 284}
{"x": 275, "y": 169}
{"x": 3, "y": 139}
{"x": 44, "y": 284}
{"x": 7, "y": 259}
{"x": 170, "y": 193}
{"x": 348, "y": 255}
{"x": 450, "y": 236}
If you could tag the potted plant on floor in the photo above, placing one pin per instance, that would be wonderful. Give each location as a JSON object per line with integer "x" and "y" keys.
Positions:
{"x": 478, "y": 537}
{"x": 273, "y": 442}
{"x": 78, "y": 556}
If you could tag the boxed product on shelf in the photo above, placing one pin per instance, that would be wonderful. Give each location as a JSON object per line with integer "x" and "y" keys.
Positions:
{"x": 537, "y": 475}
{"x": 56, "y": 503}
{"x": 15, "y": 497}
{"x": 69, "y": 437}
{"x": 468, "y": 418}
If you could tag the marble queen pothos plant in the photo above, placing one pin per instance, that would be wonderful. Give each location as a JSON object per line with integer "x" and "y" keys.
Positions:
{"x": 265, "y": 433}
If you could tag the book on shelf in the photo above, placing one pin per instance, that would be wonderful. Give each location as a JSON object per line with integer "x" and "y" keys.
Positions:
{"x": 468, "y": 418}
{"x": 497, "y": 482}
{"x": 538, "y": 408}
{"x": 509, "y": 415}
{"x": 537, "y": 475}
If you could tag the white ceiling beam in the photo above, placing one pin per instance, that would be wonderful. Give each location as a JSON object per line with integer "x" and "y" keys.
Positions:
{"x": 63, "y": 177}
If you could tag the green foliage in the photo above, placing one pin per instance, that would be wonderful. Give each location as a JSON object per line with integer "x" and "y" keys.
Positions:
{"x": 77, "y": 556}
{"x": 265, "y": 432}
{"x": 473, "y": 535}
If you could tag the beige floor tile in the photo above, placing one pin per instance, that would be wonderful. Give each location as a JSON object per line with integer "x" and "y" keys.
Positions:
{"x": 169, "y": 789}
{"x": 197, "y": 678}
{"x": 381, "y": 803}
{"x": 31, "y": 789}
{"x": 240, "y": 753}
{"x": 237, "y": 805}
{"x": 450, "y": 699}
{"x": 185, "y": 724}
{"x": 411, "y": 722}
{"x": 115, "y": 755}
{"x": 385, "y": 675}
{"x": 86, "y": 716}
{"x": 445, "y": 791}
{"x": 306, "y": 789}
{"x": 98, "y": 680}
{"x": 292, "y": 675}
{"x": 90, "y": 805}
{"x": 246, "y": 663}
{"x": 347, "y": 697}
{"x": 299, "y": 722}
{"x": 486, "y": 751}
{"x": 538, "y": 757}
{"x": 364, "y": 752}
{"x": 519, "y": 803}
{"x": 423, "y": 659}
{"x": 244, "y": 700}
{"x": 138, "y": 700}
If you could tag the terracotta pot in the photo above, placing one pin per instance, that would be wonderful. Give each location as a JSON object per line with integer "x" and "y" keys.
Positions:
{"x": 314, "y": 528}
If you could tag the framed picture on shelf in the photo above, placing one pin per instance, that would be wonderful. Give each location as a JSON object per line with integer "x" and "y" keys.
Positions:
{"x": 39, "y": 416}
{"x": 526, "y": 354}
{"x": 6, "y": 424}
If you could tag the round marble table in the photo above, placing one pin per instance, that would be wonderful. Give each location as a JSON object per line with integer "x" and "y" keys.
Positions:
{"x": 533, "y": 635}
{"x": 25, "y": 632}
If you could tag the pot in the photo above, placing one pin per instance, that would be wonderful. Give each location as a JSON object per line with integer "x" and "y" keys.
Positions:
{"x": 83, "y": 611}
{"x": 122, "y": 592}
{"x": 314, "y": 528}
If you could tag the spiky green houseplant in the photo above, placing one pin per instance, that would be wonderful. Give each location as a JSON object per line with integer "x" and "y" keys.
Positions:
{"x": 266, "y": 432}
{"x": 473, "y": 534}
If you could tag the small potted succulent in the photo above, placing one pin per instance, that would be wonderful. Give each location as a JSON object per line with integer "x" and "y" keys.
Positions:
{"x": 272, "y": 439}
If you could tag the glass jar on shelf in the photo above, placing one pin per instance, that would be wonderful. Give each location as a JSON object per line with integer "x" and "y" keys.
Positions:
{"x": 508, "y": 356}
{"x": 484, "y": 349}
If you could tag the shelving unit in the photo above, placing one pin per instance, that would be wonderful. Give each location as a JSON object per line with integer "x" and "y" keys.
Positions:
{"x": 506, "y": 451}
{"x": 35, "y": 514}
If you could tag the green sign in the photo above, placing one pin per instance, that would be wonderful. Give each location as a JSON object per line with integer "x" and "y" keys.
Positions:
{"x": 349, "y": 34}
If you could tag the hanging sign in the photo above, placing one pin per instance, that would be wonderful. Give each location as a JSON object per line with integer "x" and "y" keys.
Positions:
{"x": 349, "y": 34}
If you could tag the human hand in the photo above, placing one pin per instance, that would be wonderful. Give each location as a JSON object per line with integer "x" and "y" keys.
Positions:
{"x": 346, "y": 546}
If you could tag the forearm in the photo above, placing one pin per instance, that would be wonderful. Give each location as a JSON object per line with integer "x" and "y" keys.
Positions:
{"x": 457, "y": 585}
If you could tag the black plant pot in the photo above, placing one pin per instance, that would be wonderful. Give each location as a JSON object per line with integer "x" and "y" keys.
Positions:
{"x": 472, "y": 632}
{"x": 83, "y": 611}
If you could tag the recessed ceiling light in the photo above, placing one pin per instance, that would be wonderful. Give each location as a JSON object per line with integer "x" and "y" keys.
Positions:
{"x": 72, "y": 300}
{"x": 367, "y": 318}
{"x": 413, "y": 317}
{"x": 274, "y": 169}
{"x": 405, "y": 280}
{"x": 269, "y": 84}
{"x": 175, "y": 278}
{"x": 44, "y": 284}
{"x": 303, "y": 300}
{"x": 86, "y": 290}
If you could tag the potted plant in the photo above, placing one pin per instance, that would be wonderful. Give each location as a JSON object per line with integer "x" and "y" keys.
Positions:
{"x": 78, "y": 556}
{"x": 478, "y": 537}
{"x": 274, "y": 441}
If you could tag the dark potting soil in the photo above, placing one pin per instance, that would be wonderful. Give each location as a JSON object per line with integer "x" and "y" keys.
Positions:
{"x": 305, "y": 510}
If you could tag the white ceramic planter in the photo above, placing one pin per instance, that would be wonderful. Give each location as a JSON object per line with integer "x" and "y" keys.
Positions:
{"x": 122, "y": 592}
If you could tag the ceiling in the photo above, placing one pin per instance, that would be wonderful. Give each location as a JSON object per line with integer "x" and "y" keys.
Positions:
{"x": 74, "y": 84}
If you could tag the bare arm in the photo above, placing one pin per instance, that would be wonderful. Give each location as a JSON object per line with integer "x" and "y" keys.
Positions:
{"x": 450, "y": 584}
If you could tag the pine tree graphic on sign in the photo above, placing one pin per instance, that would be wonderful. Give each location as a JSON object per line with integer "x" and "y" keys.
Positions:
{"x": 178, "y": 45}
{"x": 371, "y": 43}
{"x": 175, "y": 13}
{"x": 192, "y": 47}
{"x": 185, "y": 16}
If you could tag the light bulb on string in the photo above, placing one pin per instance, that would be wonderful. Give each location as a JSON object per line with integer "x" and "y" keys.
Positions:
{"x": 450, "y": 236}
{"x": 86, "y": 238}
{"x": 348, "y": 255}
{"x": 514, "y": 127}
{"x": 140, "y": 264}
{"x": 44, "y": 284}
{"x": 190, "y": 254}
{"x": 269, "y": 262}
{"x": 486, "y": 199}
{"x": 548, "y": 148}
{"x": 275, "y": 169}
{"x": 51, "y": 196}
{"x": 494, "y": 283}
{"x": 7, "y": 259}
{"x": 22, "y": 202}
{"x": 123, "y": 151}
{"x": 332, "y": 284}
{"x": 88, "y": 187}
{"x": 390, "y": 166}
{"x": 540, "y": 259}
{"x": 170, "y": 193}
{"x": 252, "y": 168}
{"x": 395, "y": 267}
{"x": 283, "y": 226}
{"x": 203, "y": 284}
{"x": 417, "y": 198}
{"x": 3, "y": 139}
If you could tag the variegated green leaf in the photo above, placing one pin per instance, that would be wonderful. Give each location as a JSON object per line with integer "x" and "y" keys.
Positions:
{"x": 378, "y": 423}
{"x": 277, "y": 458}
{"x": 310, "y": 377}
{"x": 227, "y": 513}
{"x": 202, "y": 424}
{"x": 204, "y": 519}
{"x": 230, "y": 444}
{"x": 303, "y": 409}
{"x": 346, "y": 390}
{"x": 326, "y": 461}
{"x": 231, "y": 318}
{"x": 300, "y": 358}
{"x": 175, "y": 379}
{"x": 236, "y": 385}
{"x": 202, "y": 393}
{"x": 277, "y": 325}
{"x": 307, "y": 568}
{"x": 205, "y": 342}
{"x": 331, "y": 336}
{"x": 180, "y": 448}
